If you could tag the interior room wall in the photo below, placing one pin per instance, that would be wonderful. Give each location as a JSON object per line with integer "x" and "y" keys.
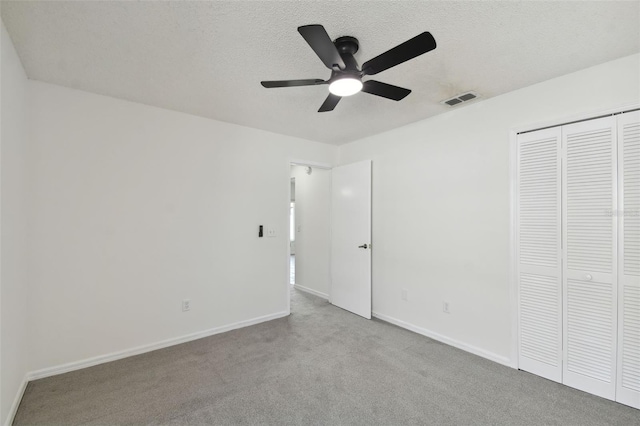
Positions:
{"x": 136, "y": 208}
{"x": 13, "y": 227}
{"x": 441, "y": 205}
{"x": 313, "y": 229}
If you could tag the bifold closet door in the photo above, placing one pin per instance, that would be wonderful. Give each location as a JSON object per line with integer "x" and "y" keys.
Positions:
{"x": 628, "y": 383}
{"x": 538, "y": 251}
{"x": 590, "y": 265}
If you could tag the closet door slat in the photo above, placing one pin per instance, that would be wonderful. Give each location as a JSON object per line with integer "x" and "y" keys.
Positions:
{"x": 628, "y": 380}
{"x": 590, "y": 267}
{"x": 538, "y": 253}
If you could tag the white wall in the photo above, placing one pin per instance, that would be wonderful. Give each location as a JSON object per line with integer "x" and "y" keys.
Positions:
{"x": 13, "y": 227}
{"x": 441, "y": 201}
{"x": 136, "y": 208}
{"x": 313, "y": 233}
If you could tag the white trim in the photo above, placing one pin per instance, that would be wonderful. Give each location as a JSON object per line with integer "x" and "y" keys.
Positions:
{"x": 311, "y": 291}
{"x": 287, "y": 295}
{"x": 444, "y": 339}
{"x": 16, "y": 401}
{"x": 325, "y": 166}
{"x": 513, "y": 244}
{"x": 574, "y": 117}
{"x": 101, "y": 359}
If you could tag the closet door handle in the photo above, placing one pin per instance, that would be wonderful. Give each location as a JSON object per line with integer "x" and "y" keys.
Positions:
{"x": 364, "y": 246}
{"x": 588, "y": 277}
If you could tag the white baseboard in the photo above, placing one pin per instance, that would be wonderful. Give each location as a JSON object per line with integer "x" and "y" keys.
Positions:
{"x": 311, "y": 291}
{"x": 444, "y": 339}
{"x": 16, "y": 401}
{"x": 101, "y": 359}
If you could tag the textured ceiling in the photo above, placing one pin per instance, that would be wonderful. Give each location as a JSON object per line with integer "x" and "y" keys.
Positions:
{"x": 208, "y": 58}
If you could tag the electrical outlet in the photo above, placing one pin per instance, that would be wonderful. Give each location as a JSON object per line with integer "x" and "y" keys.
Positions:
{"x": 271, "y": 231}
{"x": 445, "y": 307}
{"x": 405, "y": 295}
{"x": 186, "y": 305}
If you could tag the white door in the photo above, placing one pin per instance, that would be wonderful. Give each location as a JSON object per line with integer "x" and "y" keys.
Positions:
{"x": 590, "y": 267}
{"x": 628, "y": 386}
{"x": 351, "y": 238}
{"x": 539, "y": 253}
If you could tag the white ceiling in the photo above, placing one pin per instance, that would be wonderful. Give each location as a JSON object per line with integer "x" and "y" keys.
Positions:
{"x": 208, "y": 58}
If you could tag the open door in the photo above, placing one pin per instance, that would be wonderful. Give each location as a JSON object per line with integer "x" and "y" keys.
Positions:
{"x": 351, "y": 238}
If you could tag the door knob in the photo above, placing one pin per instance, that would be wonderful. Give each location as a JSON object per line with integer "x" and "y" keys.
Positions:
{"x": 364, "y": 246}
{"x": 588, "y": 277}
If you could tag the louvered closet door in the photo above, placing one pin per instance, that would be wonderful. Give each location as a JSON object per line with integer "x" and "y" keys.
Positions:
{"x": 628, "y": 383}
{"x": 538, "y": 252}
{"x": 590, "y": 267}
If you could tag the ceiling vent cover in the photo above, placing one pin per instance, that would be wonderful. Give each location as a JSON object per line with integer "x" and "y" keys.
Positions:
{"x": 458, "y": 99}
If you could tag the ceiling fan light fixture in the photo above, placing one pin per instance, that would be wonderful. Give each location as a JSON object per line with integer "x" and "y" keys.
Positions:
{"x": 346, "y": 74}
{"x": 346, "y": 86}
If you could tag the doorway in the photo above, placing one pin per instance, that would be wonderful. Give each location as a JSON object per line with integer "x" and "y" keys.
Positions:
{"x": 330, "y": 234}
{"x": 309, "y": 247}
{"x": 292, "y": 233}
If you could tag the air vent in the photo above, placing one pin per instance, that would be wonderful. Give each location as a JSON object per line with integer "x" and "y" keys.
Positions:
{"x": 464, "y": 97}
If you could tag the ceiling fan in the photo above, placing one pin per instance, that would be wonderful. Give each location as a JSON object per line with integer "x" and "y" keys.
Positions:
{"x": 346, "y": 77}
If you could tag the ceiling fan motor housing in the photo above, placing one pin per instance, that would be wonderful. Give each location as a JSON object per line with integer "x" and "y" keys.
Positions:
{"x": 347, "y": 47}
{"x": 347, "y": 44}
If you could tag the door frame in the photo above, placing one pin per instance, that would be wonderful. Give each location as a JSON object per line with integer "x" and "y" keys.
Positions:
{"x": 513, "y": 195}
{"x": 304, "y": 163}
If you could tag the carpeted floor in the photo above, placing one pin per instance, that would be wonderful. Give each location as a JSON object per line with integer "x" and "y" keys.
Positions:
{"x": 321, "y": 365}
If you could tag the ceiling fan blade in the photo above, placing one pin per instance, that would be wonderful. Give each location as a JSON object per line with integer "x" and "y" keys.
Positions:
{"x": 416, "y": 46}
{"x": 292, "y": 83}
{"x": 320, "y": 42}
{"x": 385, "y": 90}
{"x": 330, "y": 103}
